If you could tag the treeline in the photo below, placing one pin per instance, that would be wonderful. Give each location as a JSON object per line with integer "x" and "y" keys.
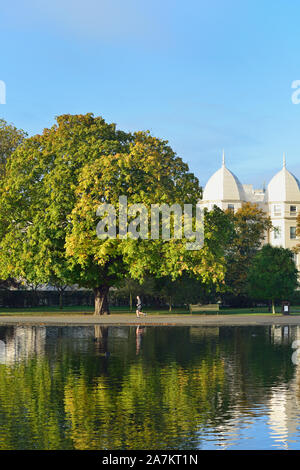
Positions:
{"x": 51, "y": 186}
{"x": 120, "y": 297}
{"x": 45, "y": 298}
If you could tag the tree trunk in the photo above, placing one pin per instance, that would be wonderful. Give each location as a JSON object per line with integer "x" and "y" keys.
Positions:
{"x": 101, "y": 335}
{"x": 273, "y": 307}
{"x": 101, "y": 300}
{"x": 130, "y": 301}
{"x": 170, "y": 304}
{"x": 61, "y": 304}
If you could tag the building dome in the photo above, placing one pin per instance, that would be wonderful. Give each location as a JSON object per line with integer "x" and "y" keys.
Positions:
{"x": 223, "y": 185}
{"x": 284, "y": 187}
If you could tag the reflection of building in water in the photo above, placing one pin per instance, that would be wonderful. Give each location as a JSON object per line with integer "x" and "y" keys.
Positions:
{"x": 284, "y": 404}
{"x": 73, "y": 332}
{"x": 284, "y": 412}
{"x": 229, "y": 432}
{"x": 284, "y": 333}
{"x": 275, "y": 406}
{"x": 21, "y": 342}
{"x": 24, "y": 342}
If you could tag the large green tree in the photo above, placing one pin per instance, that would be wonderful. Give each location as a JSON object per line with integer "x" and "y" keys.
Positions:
{"x": 273, "y": 275}
{"x": 111, "y": 259}
{"x": 56, "y": 181}
{"x": 38, "y": 196}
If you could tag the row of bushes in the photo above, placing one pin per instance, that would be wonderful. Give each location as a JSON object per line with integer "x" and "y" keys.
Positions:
{"x": 27, "y": 299}
{"x": 76, "y": 298}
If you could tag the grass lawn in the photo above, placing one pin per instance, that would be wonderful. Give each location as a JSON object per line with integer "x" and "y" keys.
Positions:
{"x": 86, "y": 310}
{"x": 82, "y": 310}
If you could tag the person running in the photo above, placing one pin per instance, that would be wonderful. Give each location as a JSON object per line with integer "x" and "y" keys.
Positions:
{"x": 139, "y": 307}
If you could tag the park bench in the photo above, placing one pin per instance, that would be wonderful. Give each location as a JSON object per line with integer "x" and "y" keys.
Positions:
{"x": 198, "y": 308}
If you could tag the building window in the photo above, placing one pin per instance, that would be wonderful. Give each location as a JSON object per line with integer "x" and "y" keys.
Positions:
{"x": 231, "y": 207}
{"x": 293, "y": 234}
{"x": 293, "y": 211}
{"x": 295, "y": 258}
{"x": 277, "y": 210}
{"x": 277, "y": 233}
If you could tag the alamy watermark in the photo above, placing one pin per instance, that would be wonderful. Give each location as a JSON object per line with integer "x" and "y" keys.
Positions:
{"x": 2, "y": 92}
{"x": 161, "y": 221}
{"x": 296, "y": 94}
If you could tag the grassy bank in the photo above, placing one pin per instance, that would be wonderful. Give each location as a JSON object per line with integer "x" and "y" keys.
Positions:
{"x": 86, "y": 310}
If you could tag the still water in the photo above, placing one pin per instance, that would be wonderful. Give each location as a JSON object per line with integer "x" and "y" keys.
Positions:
{"x": 149, "y": 388}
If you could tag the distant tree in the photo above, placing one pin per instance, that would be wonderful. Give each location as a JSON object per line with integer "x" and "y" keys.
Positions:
{"x": 132, "y": 287}
{"x": 10, "y": 283}
{"x": 250, "y": 227}
{"x": 273, "y": 275}
{"x": 185, "y": 290}
{"x": 167, "y": 289}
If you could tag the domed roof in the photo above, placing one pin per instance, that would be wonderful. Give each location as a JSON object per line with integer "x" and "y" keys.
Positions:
{"x": 223, "y": 185}
{"x": 284, "y": 186}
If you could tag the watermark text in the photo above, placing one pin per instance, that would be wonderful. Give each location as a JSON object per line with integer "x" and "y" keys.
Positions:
{"x": 161, "y": 221}
{"x": 2, "y": 92}
{"x": 296, "y": 94}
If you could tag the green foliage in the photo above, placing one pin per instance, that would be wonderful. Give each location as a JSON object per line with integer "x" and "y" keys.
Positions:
{"x": 38, "y": 196}
{"x": 56, "y": 181}
{"x": 250, "y": 226}
{"x": 273, "y": 274}
{"x": 10, "y": 139}
{"x": 149, "y": 173}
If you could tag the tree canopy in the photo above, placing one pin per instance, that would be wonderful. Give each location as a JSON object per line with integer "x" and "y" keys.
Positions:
{"x": 250, "y": 227}
{"x": 10, "y": 139}
{"x": 48, "y": 209}
{"x": 273, "y": 274}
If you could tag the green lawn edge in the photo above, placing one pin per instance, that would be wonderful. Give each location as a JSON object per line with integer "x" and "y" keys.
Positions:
{"x": 86, "y": 310}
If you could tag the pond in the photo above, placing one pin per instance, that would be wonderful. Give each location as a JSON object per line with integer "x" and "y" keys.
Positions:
{"x": 149, "y": 388}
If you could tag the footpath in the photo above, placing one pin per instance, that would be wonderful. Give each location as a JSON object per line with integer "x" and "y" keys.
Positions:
{"x": 155, "y": 320}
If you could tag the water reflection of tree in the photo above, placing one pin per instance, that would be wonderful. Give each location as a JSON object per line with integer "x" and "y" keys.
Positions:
{"x": 101, "y": 338}
{"x": 144, "y": 408}
{"x": 159, "y": 399}
{"x": 158, "y": 410}
{"x": 254, "y": 363}
{"x": 32, "y": 407}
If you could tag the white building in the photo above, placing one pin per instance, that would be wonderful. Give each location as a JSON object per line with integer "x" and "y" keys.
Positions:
{"x": 281, "y": 200}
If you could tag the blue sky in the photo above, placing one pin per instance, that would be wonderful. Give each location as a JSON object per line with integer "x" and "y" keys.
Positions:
{"x": 205, "y": 75}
